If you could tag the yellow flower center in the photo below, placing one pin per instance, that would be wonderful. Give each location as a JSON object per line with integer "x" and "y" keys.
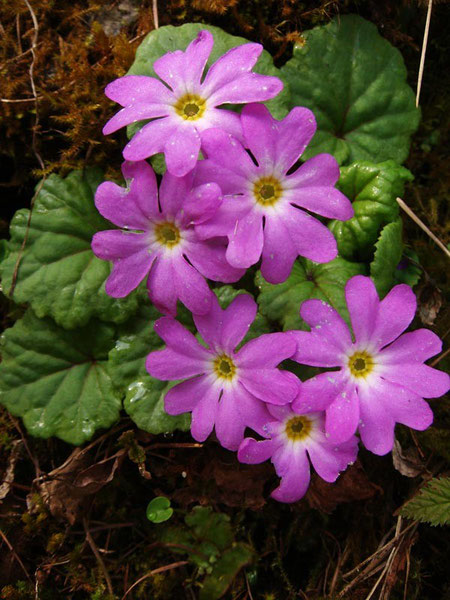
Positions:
{"x": 167, "y": 234}
{"x": 224, "y": 367}
{"x": 267, "y": 191}
{"x": 190, "y": 107}
{"x": 298, "y": 428}
{"x": 360, "y": 364}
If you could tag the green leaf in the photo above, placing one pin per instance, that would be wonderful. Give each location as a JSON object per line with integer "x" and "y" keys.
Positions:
{"x": 144, "y": 395}
{"x": 373, "y": 190}
{"x": 432, "y": 503}
{"x": 387, "y": 256}
{"x": 209, "y": 526}
{"x": 170, "y": 38}
{"x": 355, "y": 83}
{"x": 59, "y": 276}
{"x": 159, "y": 510}
{"x": 408, "y": 270}
{"x": 326, "y": 282}
{"x": 224, "y": 571}
{"x": 56, "y": 380}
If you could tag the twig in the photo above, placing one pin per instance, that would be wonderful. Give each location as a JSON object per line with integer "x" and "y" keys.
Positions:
{"x": 424, "y": 50}
{"x": 174, "y": 565}
{"x": 439, "y": 358}
{"x": 94, "y": 549}
{"x": 422, "y": 225}
{"x": 155, "y": 14}
{"x": 249, "y": 591}
{"x": 14, "y": 553}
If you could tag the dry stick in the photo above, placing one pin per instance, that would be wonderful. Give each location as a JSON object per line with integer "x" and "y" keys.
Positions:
{"x": 174, "y": 565}
{"x": 422, "y": 225}
{"x": 424, "y": 50}
{"x": 389, "y": 561}
{"x": 155, "y": 13}
{"x": 94, "y": 549}
{"x": 14, "y": 553}
{"x": 439, "y": 358}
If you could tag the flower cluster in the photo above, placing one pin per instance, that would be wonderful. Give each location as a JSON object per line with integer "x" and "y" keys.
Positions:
{"x": 248, "y": 200}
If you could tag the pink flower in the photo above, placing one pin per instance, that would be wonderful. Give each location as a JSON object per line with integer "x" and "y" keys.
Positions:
{"x": 163, "y": 243}
{"x": 291, "y": 439}
{"x": 381, "y": 379}
{"x": 263, "y": 208}
{"x": 224, "y": 389}
{"x": 182, "y": 106}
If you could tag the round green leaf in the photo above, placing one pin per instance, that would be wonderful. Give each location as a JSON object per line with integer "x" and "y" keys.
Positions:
{"x": 56, "y": 380}
{"x": 159, "y": 510}
{"x": 355, "y": 83}
{"x": 326, "y": 282}
{"x": 58, "y": 275}
{"x": 373, "y": 190}
{"x": 169, "y": 38}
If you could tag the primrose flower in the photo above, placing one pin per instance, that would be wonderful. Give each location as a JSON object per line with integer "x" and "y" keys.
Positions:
{"x": 181, "y": 106}
{"x": 291, "y": 439}
{"x": 224, "y": 389}
{"x": 163, "y": 243}
{"x": 263, "y": 208}
{"x": 380, "y": 381}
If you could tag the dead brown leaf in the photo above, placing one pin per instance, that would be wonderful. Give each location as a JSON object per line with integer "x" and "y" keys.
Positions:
{"x": 351, "y": 486}
{"x": 407, "y": 462}
{"x": 429, "y": 301}
{"x": 66, "y": 489}
{"x": 7, "y": 477}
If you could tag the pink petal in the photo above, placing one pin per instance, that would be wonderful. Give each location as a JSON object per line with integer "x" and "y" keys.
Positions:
{"x": 202, "y": 203}
{"x": 309, "y": 236}
{"x": 150, "y": 139}
{"x": 260, "y": 133}
{"x": 313, "y": 348}
{"x": 251, "y": 87}
{"x": 196, "y": 56}
{"x": 161, "y": 286}
{"x": 246, "y": 241}
{"x": 342, "y": 416}
{"x": 403, "y": 405}
{"x": 143, "y": 187}
{"x": 191, "y": 287}
{"x": 181, "y": 150}
{"x": 294, "y": 481}
{"x": 322, "y": 169}
{"x": 317, "y": 393}
{"x": 185, "y": 396}
{"x": 295, "y": 132}
{"x": 179, "y": 339}
{"x": 227, "y": 120}
{"x": 169, "y": 364}
{"x": 223, "y": 223}
{"x": 324, "y": 200}
{"x": 329, "y": 460}
{"x": 325, "y": 320}
{"x": 270, "y": 385}
{"x": 138, "y": 88}
{"x": 395, "y": 313}
{"x": 133, "y": 113}
{"x": 173, "y": 192}
{"x": 267, "y": 350}
{"x": 421, "y": 379}
{"x": 209, "y": 259}
{"x": 376, "y": 426}
{"x": 253, "y": 412}
{"x": 171, "y": 68}
{"x": 252, "y": 452}
{"x": 114, "y": 244}
{"x": 228, "y": 155}
{"x": 231, "y": 65}
{"x": 279, "y": 252}
{"x": 127, "y": 273}
{"x": 229, "y": 424}
{"x": 415, "y": 346}
{"x": 204, "y": 414}
{"x": 363, "y": 304}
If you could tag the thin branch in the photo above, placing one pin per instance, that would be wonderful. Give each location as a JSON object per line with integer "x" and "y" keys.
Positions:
{"x": 422, "y": 225}
{"x": 174, "y": 565}
{"x": 155, "y": 14}
{"x": 94, "y": 549}
{"x": 424, "y": 51}
{"x": 14, "y": 553}
{"x": 439, "y": 358}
